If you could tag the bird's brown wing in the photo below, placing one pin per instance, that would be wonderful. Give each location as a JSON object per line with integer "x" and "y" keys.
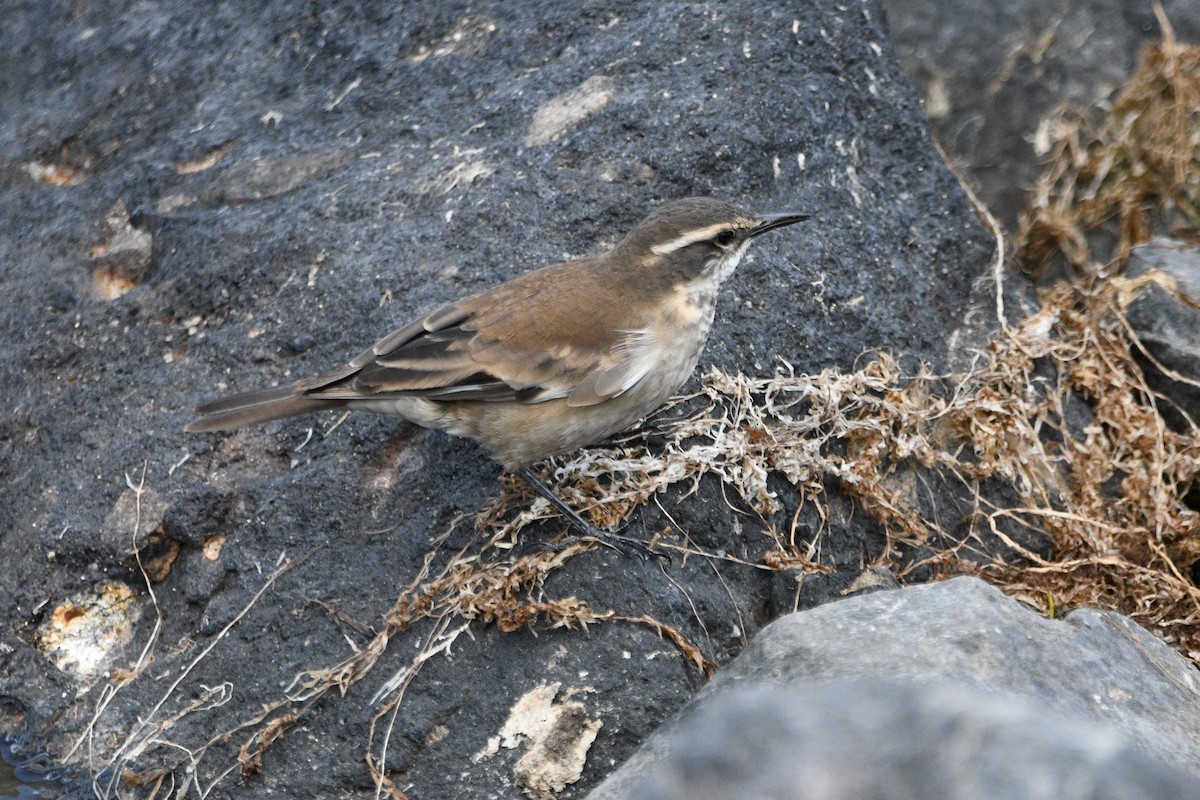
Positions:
{"x": 536, "y": 338}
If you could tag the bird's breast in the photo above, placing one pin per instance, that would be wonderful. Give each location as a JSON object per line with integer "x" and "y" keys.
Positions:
{"x": 681, "y": 329}
{"x": 693, "y": 300}
{"x": 687, "y": 314}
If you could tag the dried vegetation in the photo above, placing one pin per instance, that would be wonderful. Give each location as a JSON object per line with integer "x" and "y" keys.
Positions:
{"x": 1116, "y": 174}
{"x": 1063, "y": 484}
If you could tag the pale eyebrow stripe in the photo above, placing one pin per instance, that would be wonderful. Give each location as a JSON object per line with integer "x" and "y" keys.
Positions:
{"x": 691, "y": 237}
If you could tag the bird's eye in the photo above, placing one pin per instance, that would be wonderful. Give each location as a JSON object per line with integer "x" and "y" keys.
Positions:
{"x": 723, "y": 238}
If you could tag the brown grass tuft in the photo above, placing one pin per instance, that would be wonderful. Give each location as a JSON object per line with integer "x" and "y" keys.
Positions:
{"x": 1116, "y": 173}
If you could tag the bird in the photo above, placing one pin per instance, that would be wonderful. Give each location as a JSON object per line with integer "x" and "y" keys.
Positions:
{"x": 550, "y": 361}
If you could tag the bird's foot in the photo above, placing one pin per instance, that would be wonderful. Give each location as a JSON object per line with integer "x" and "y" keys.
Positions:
{"x": 617, "y": 541}
{"x": 622, "y": 544}
{"x": 625, "y": 544}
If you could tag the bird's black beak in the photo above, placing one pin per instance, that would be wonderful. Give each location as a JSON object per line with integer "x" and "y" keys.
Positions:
{"x": 772, "y": 221}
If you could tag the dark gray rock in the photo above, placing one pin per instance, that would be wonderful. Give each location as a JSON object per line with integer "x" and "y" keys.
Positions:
{"x": 302, "y": 180}
{"x": 947, "y": 690}
{"x": 1164, "y": 312}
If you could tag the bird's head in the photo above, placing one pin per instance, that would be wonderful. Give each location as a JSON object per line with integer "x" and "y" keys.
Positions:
{"x": 695, "y": 239}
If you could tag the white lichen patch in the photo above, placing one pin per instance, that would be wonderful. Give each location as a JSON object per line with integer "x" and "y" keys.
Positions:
{"x": 466, "y": 169}
{"x": 556, "y": 737}
{"x": 553, "y": 117}
{"x": 469, "y": 37}
{"x": 85, "y": 632}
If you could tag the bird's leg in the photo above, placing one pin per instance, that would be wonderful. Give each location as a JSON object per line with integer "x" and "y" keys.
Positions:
{"x": 616, "y": 541}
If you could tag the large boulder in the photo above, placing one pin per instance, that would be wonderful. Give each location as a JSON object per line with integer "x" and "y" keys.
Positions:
{"x": 948, "y": 690}
{"x": 199, "y": 199}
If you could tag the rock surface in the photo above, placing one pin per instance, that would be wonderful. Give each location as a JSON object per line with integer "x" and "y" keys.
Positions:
{"x": 840, "y": 740}
{"x": 1164, "y": 312}
{"x": 947, "y": 690}
{"x": 196, "y": 199}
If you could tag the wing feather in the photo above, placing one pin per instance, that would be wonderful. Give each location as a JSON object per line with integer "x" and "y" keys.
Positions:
{"x": 636, "y": 358}
{"x": 533, "y": 339}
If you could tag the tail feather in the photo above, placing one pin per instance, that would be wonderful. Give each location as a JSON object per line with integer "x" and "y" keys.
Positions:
{"x": 251, "y": 408}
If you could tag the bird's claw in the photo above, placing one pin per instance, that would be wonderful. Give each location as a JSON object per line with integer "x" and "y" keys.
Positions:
{"x": 622, "y": 544}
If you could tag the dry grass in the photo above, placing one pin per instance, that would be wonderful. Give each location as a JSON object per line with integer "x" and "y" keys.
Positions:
{"x": 1075, "y": 490}
{"x": 1054, "y": 435}
{"x": 1079, "y": 492}
{"x": 1116, "y": 174}
{"x": 1103, "y": 485}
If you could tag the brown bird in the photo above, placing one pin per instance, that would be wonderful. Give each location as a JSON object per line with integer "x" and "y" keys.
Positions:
{"x": 550, "y": 361}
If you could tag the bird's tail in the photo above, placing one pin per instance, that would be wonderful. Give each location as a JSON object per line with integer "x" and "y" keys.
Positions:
{"x": 253, "y": 407}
